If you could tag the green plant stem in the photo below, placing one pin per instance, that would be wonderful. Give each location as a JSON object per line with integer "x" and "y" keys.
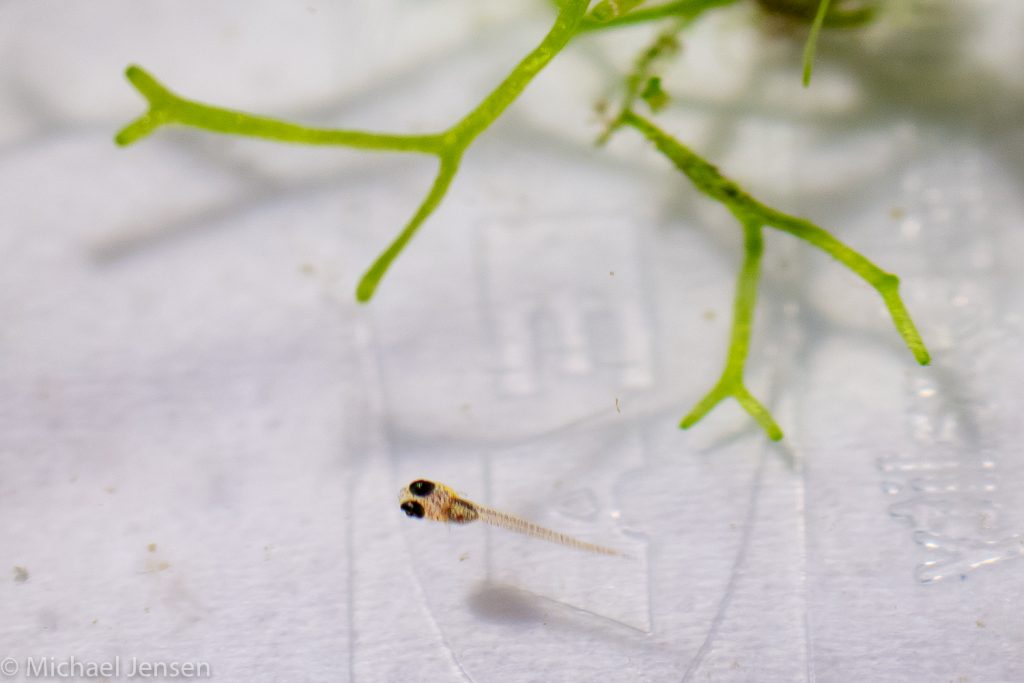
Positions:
{"x": 478, "y": 120}
{"x": 750, "y": 212}
{"x": 685, "y": 9}
{"x": 168, "y": 108}
{"x": 460, "y": 136}
{"x": 449, "y": 146}
{"x": 606, "y": 10}
{"x": 812, "y": 40}
{"x": 446, "y": 173}
{"x": 638, "y": 81}
{"x": 731, "y": 382}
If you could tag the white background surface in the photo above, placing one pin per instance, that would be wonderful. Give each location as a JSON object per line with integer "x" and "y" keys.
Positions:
{"x": 202, "y": 434}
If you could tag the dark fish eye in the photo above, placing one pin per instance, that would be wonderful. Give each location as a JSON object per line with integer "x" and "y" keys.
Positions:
{"x": 421, "y": 488}
{"x": 412, "y": 509}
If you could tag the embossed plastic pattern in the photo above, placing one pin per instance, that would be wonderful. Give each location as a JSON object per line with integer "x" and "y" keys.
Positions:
{"x": 202, "y": 435}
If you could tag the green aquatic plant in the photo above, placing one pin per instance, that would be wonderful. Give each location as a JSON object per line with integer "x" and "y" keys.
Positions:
{"x": 576, "y": 17}
{"x": 754, "y": 217}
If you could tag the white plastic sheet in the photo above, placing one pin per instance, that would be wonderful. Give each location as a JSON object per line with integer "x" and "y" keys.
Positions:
{"x": 202, "y": 434}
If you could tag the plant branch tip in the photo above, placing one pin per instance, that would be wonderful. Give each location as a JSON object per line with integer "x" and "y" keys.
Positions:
{"x": 150, "y": 88}
{"x": 136, "y": 130}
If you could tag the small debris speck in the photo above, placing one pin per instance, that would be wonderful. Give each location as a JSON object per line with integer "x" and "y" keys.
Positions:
{"x": 20, "y": 574}
{"x": 618, "y": 406}
{"x": 151, "y": 547}
{"x": 710, "y": 315}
